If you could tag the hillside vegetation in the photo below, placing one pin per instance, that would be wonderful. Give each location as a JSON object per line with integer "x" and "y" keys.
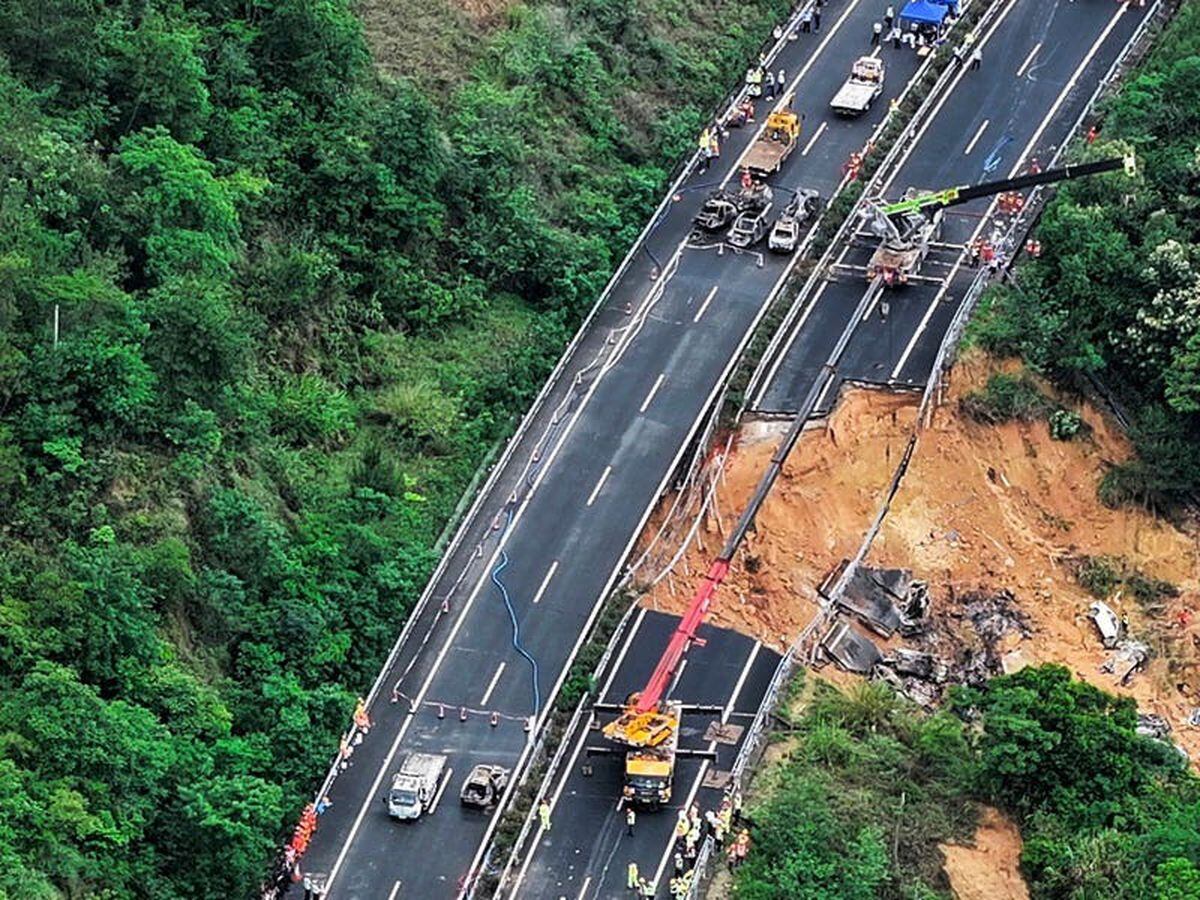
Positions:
{"x": 1116, "y": 293}
{"x": 296, "y": 302}
{"x": 869, "y": 787}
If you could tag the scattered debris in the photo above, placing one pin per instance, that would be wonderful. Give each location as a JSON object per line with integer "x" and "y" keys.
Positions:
{"x": 849, "y": 649}
{"x": 995, "y": 615}
{"x": 918, "y": 664}
{"x": 1129, "y": 658}
{"x": 1153, "y": 725}
{"x": 1107, "y": 623}
{"x": 886, "y": 600}
{"x": 1194, "y": 717}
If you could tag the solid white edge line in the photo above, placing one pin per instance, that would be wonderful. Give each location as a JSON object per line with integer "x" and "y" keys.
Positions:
{"x": 537, "y": 598}
{"x": 395, "y": 890}
{"x": 583, "y": 890}
{"x": 437, "y": 798}
{"x": 733, "y": 697}
{"x": 599, "y": 484}
{"x": 792, "y": 85}
{"x": 419, "y": 697}
{"x": 487, "y": 695}
{"x": 975, "y": 140}
{"x": 812, "y": 140}
{"x": 704, "y": 306}
{"x": 583, "y": 736}
{"x": 547, "y": 465}
{"x": 653, "y": 390}
{"x": 1029, "y": 147}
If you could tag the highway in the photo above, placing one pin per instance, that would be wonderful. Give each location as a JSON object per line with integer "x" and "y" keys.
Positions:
{"x": 1041, "y": 64}
{"x": 544, "y": 543}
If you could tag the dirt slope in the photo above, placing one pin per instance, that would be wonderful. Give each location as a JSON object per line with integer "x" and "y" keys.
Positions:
{"x": 981, "y": 508}
{"x": 830, "y": 490}
{"x": 987, "y": 870}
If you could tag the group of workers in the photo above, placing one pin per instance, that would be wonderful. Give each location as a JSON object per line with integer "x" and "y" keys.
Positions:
{"x": 690, "y": 830}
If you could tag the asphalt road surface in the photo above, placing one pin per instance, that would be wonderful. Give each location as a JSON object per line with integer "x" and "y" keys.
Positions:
{"x": 1040, "y": 66}
{"x": 567, "y": 503}
{"x": 1041, "y": 63}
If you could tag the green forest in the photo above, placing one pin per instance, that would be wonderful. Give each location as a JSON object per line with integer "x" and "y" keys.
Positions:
{"x": 1115, "y": 297}
{"x": 265, "y": 308}
{"x": 869, "y": 786}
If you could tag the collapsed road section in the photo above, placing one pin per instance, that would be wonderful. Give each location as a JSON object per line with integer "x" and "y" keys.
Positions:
{"x": 474, "y": 670}
{"x": 585, "y": 862}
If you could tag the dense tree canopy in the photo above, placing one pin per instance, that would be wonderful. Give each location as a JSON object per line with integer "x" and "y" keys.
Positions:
{"x": 870, "y": 786}
{"x": 262, "y": 314}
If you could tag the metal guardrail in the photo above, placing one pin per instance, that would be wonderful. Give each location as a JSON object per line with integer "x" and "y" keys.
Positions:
{"x": 757, "y": 733}
{"x": 467, "y": 520}
{"x": 556, "y": 760}
{"x": 757, "y": 382}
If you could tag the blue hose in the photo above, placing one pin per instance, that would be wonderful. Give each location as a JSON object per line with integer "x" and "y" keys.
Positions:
{"x": 512, "y": 615}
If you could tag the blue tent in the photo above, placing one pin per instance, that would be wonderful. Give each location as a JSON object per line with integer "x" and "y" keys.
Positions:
{"x": 924, "y": 12}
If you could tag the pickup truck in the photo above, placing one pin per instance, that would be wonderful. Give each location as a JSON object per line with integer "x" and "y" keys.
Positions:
{"x": 862, "y": 87}
{"x": 774, "y": 144}
{"x": 415, "y": 787}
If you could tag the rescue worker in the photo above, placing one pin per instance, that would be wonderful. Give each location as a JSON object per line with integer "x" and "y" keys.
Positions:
{"x": 806, "y": 21}
{"x": 630, "y": 819}
{"x": 770, "y": 86}
{"x": 646, "y": 888}
{"x": 631, "y": 876}
{"x": 544, "y": 815}
{"x": 308, "y": 888}
{"x": 361, "y": 719}
{"x": 747, "y": 180}
{"x": 817, "y": 17}
{"x": 876, "y": 33}
{"x": 681, "y": 825}
{"x": 889, "y": 16}
{"x": 754, "y": 80}
{"x": 976, "y": 59}
{"x": 781, "y": 80}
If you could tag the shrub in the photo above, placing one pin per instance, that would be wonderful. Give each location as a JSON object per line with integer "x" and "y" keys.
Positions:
{"x": 1005, "y": 398}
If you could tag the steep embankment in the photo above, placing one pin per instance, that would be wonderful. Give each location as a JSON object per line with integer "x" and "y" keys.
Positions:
{"x": 263, "y": 313}
{"x": 982, "y": 508}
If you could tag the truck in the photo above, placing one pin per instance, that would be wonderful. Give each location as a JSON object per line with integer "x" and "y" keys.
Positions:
{"x": 415, "y": 787}
{"x": 908, "y": 227}
{"x": 859, "y": 91}
{"x": 650, "y": 770}
{"x": 774, "y": 143}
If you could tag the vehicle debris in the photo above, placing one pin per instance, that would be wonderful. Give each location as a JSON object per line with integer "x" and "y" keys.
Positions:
{"x": 852, "y": 651}
{"x": 1107, "y": 623}
{"x": 1153, "y": 725}
{"x": 484, "y": 786}
{"x": 1130, "y": 656}
{"x": 885, "y": 600}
